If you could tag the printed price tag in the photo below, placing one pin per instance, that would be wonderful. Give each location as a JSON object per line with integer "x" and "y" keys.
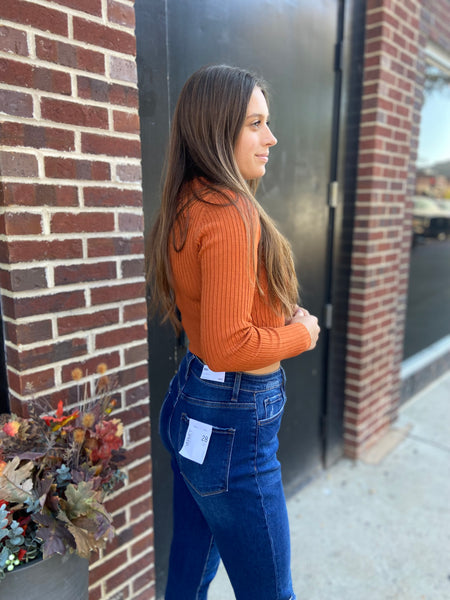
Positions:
{"x": 212, "y": 375}
{"x": 196, "y": 441}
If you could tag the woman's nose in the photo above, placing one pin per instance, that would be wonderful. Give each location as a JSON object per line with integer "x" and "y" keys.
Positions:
{"x": 271, "y": 139}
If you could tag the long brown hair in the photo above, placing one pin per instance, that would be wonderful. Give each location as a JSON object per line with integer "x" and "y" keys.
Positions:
{"x": 208, "y": 118}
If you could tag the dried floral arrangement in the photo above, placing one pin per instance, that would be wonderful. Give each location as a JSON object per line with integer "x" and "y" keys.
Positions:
{"x": 55, "y": 472}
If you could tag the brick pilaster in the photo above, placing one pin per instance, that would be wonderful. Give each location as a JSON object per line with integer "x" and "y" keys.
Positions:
{"x": 71, "y": 237}
{"x": 380, "y": 257}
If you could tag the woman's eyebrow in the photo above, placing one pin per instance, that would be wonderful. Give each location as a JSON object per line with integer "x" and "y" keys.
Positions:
{"x": 259, "y": 115}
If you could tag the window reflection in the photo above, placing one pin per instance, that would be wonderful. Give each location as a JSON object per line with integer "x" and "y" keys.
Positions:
{"x": 428, "y": 308}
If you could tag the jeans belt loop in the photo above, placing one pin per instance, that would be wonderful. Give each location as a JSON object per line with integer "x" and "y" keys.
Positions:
{"x": 189, "y": 359}
{"x": 236, "y": 386}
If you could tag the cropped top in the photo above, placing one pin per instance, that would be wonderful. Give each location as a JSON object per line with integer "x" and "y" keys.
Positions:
{"x": 229, "y": 324}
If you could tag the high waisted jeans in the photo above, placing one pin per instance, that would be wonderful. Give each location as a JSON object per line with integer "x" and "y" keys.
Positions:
{"x": 232, "y": 506}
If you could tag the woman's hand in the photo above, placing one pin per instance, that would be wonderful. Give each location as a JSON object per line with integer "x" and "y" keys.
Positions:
{"x": 301, "y": 315}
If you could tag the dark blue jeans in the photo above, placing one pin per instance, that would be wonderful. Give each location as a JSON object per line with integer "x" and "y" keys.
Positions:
{"x": 232, "y": 506}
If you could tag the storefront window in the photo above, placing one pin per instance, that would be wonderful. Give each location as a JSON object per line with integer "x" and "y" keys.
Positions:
{"x": 428, "y": 309}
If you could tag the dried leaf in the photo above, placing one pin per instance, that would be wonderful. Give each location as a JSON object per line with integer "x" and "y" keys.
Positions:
{"x": 15, "y": 482}
{"x": 54, "y": 534}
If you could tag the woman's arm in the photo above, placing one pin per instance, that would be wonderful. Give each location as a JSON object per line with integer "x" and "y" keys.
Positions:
{"x": 230, "y": 341}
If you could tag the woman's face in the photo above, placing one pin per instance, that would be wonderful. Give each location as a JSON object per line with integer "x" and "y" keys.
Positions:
{"x": 255, "y": 138}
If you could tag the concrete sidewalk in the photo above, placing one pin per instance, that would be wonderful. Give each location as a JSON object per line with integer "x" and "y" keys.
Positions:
{"x": 378, "y": 528}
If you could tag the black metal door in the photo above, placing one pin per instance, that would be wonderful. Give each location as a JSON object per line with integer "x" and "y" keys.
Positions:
{"x": 292, "y": 44}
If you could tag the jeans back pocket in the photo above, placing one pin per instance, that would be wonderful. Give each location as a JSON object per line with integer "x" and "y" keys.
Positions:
{"x": 211, "y": 477}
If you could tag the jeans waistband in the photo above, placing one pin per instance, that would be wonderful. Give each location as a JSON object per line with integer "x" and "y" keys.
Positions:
{"x": 237, "y": 380}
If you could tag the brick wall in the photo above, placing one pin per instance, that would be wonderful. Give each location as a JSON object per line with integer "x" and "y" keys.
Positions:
{"x": 71, "y": 243}
{"x": 397, "y": 32}
{"x": 380, "y": 237}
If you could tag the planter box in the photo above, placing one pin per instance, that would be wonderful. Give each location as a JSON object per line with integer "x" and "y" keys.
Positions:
{"x": 57, "y": 578}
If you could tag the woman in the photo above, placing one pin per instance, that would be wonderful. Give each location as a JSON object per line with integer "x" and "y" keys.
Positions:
{"x": 219, "y": 269}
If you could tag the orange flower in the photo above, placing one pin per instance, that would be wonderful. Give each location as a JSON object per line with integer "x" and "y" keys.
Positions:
{"x": 11, "y": 428}
{"x": 78, "y": 435}
{"x": 77, "y": 374}
{"x": 103, "y": 383}
{"x": 102, "y": 368}
{"x": 88, "y": 420}
{"x": 60, "y": 420}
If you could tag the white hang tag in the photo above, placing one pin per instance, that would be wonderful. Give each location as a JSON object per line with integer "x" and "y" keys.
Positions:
{"x": 196, "y": 441}
{"x": 212, "y": 375}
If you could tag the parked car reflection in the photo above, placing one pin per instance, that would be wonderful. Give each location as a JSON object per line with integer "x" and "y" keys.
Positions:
{"x": 431, "y": 218}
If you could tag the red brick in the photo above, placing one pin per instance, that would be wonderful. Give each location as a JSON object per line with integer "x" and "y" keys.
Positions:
{"x": 70, "y": 168}
{"x": 133, "y": 268}
{"x": 29, "y": 384}
{"x": 89, "y": 366}
{"x": 108, "y": 565}
{"x": 103, "y": 36}
{"x": 142, "y": 545}
{"x": 68, "y": 55}
{"x": 28, "y": 333}
{"x": 101, "y": 91}
{"x": 25, "y": 194}
{"x": 144, "y": 580}
{"x": 129, "y": 173}
{"x": 93, "y": 89}
{"x": 24, "y": 250}
{"x": 34, "y": 15}
{"x": 13, "y": 41}
{"x": 44, "y": 355}
{"x": 52, "y": 81}
{"x": 16, "y": 103}
{"x": 140, "y": 432}
{"x": 147, "y": 594}
{"x": 17, "y": 73}
{"x": 92, "y": 143}
{"x": 121, "y": 14}
{"x": 82, "y": 222}
{"x": 135, "y": 312}
{"x": 27, "y": 307}
{"x": 18, "y": 164}
{"x": 91, "y": 320}
{"x": 123, "y": 69}
{"x": 62, "y": 111}
{"x": 114, "y": 246}
{"x": 124, "y": 575}
{"x": 22, "y": 224}
{"x": 134, "y": 395}
{"x": 95, "y": 593}
{"x": 93, "y": 7}
{"x": 131, "y": 222}
{"x": 95, "y": 196}
{"x": 69, "y": 274}
{"x": 127, "y": 122}
{"x": 132, "y": 413}
{"x": 117, "y": 293}
{"x": 22, "y": 134}
{"x": 134, "y": 373}
{"x": 139, "y": 472}
{"x": 136, "y": 354}
{"x": 130, "y": 494}
{"x": 117, "y": 337}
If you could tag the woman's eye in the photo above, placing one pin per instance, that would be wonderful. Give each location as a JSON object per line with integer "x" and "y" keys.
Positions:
{"x": 259, "y": 123}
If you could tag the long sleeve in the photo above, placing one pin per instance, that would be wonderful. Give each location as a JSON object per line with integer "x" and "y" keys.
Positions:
{"x": 230, "y": 339}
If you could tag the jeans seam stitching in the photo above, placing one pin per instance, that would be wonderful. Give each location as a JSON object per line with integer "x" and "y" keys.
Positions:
{"x": 204, "y": 566}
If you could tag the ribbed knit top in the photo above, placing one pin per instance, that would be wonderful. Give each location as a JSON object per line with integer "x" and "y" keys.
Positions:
{"x": 230, "y": 326}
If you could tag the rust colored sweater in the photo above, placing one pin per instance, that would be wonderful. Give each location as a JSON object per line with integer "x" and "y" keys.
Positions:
{"x": 228, "y": 324}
